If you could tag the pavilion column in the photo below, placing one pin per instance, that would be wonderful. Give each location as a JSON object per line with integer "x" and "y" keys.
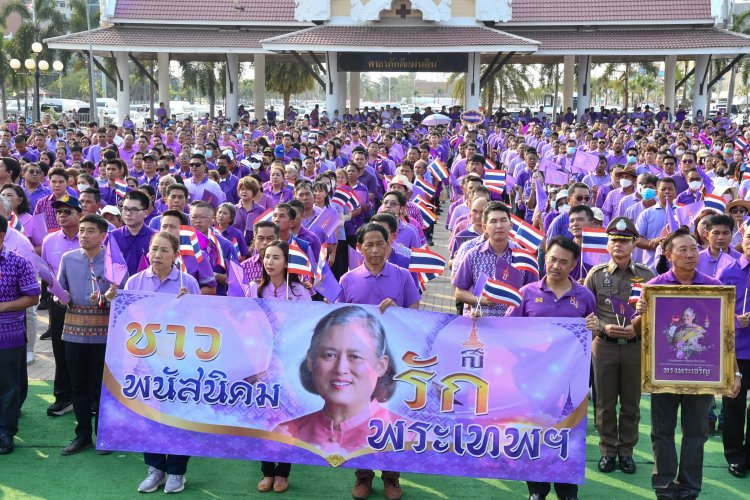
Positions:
{"x": 569, "y": 68}
{"x": 163, "y": 62}
{"x": 471, "y": 85}
{"x": 259, "y": 86}
{"x": 354, "y": 92}
{"x": 123, "y": 85}
{"x": 232, "y": 75}
{"x": 700, "y": 85}
{"x": 335, "y": 85}
{"x": 670, "y": 77}
{"x": 584, "y": 84}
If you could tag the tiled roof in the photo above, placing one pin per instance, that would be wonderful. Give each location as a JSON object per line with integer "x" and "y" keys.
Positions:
{"x": 206, "y": 10}
{"x": 135, "y": 37}
{"x": 583, "y": 11}
{"x": 398, "y": 36}
{"x": 623, "y": 40}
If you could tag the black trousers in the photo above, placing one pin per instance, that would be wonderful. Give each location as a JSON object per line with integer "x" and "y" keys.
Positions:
{"x": 274, "y": 469}
{"x": 561, "y": 489}
{"x": 86, "y": 365}
{"x": 175, "y": 465}
{"x": 13, "y": 386}
{"x": 736, "y": 433}
{"x": 62, "y": 387}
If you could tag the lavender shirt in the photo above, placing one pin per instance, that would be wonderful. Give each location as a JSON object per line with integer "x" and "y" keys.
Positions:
{"x": 147, "y": 281}
{"x": 360, "y": 286}
{"x": 737, "y": 275}
{"x": 17, "y": 279}
{"x": 539, "y": 301}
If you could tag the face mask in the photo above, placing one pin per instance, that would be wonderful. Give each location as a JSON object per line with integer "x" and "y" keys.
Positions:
{"x": 695, "y": 185}
{"x": 238, "y": 136}
{"x": 222, "y": 169}
{"x": 571, "y": 150}
{"x": 209, "y": 153}
{"x": 81, "y": 187}
{"x": 728, "y": 151}
{"x": 679, "y": 152}
{"x": 648, "y": 194}
{"x": 564, "y": 209}
{"x": 632, "y": 159}
{"x": 625, "y": 183}
{"x": 695, "y": 147}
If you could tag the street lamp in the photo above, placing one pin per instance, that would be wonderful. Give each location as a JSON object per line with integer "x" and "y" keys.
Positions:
{"x": 34, "y": 66}
{"x": 58, "y": 67}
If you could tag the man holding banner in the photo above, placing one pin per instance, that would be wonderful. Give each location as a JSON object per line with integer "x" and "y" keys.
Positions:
{"x": 616, "y": 351}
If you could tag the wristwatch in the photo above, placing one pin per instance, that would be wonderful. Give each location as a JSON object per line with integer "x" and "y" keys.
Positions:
{"x": 738, "y": 374}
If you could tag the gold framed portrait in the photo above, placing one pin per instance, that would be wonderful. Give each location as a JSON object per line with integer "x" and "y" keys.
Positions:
{"x": 688, "y": 344}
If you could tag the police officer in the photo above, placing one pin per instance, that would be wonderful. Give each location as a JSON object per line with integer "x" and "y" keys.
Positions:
{"x": 616, "y": 352}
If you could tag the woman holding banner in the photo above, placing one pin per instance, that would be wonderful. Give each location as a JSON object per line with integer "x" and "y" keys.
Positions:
{"x": 277, "y": 283}
{"x": 162, "y": 276}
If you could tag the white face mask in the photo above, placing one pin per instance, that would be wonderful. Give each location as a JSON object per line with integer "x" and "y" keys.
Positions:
{"x": 625, "y": 183}
{"x": 81, "y": 187}
{"x": 564, "y": 208}
{"x": 679, "y": 152}
{"x": 695, "y": 185}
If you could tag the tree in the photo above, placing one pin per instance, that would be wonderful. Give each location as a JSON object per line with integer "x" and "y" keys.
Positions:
{"x": 624, "y": 80}
{"x": 5, "y": 73}
{"x": 511, "y": 81}
{"x": 289, "y": 79}
{"x": 201, "y": 76}
{"x": 740, "y": 24}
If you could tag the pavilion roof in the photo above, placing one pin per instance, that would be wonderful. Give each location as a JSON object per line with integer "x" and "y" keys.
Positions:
{"x": 587, "y": 12}
{"x": 223, "y": 11}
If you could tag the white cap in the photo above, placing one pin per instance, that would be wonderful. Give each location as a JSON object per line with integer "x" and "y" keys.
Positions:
{"x": 111, "y": 210}
{"x": 598, "y": 214}
{"x": 401, "y": 179}
{"x": 561, "y": 195}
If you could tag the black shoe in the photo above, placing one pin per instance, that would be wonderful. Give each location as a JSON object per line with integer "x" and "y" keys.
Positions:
{"x": 103, "y": 452}
{"x": 627, "y": 465}
{"x": 46, "y": 335}
{"x": 606, "y": 464}
{"x": 43, "y": 304}
{"x": 6, "y": 444}
{"x": 59, "y": 408}
{"x": 737, "y": 470}
{"x": 77, "y": 446}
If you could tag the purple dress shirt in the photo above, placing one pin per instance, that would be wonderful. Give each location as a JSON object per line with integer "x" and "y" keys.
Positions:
{"x": 541, "y": 302}
{"x": 17, "y": 279}
{"x": 360, "y": 286}
{"x": 147, "y": 281}
{"x": 133, "y": 247}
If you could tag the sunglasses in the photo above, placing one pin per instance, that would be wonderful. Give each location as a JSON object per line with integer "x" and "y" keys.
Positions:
{"x": 161, "y": 170}
{"x": 64, "y": 211}
{"x": 196, "y": 165}
{"x": 738, "y": 210}
{"x": 688, "y": 162}
{"x": 582, "y": 198}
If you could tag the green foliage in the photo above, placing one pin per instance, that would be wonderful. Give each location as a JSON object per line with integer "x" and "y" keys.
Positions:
{"x": 289, "y": 79}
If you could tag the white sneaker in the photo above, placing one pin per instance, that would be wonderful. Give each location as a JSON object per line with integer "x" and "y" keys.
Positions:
{"x": 154, "y": 479}
{"x": 29, "y": 358}
{"x": 175, "y": 483}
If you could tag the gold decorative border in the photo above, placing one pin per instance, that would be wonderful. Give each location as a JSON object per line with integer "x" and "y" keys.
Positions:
{"x": 726, "y": 339}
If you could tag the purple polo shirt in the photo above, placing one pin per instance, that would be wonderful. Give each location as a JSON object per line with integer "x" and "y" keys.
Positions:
{"x": 541, "y": 302}
{"x": 312, "y": 240}
{"x": 360, "y": 286}
{"x": 55, "y": 245}
{"x": 147, "y": 281}
{"x": 235, "y": 236}
{"x": 17, "y": 279}
{"x": 669, "y": 278}
{"x": 284, "y": 195}
{"x": 407, "y": 235}
{"x": 229, "y": 188}
{"x": 36, "y": 195}
{"x": 738, "y": 276}
{"x": 133, "y": 247}
{"x": 710, "y": 265}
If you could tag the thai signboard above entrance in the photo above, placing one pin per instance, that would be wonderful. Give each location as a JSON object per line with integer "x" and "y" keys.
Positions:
{"x": 447, "y": 63}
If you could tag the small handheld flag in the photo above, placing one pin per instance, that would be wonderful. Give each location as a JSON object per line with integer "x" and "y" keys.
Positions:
{"x": 740, "y": 143}
{"x": 494, "y": 180}
{"x": 121, "y": 188}
{"x": 265, "y": 216}
{"x": 15, "y": 223}
{"x": 425, "y": 186}
{"x": 438, "y": 170}
{"x": 635, "y": 293}
{"x": 189, "y": 245}
{"x": 502, "y": 293}
{"x": 489, "y": 165}
{"x": 298, "y": 262}
{"x": 428, "y": 216}
{"x": 525, "y": 234}
{"x": 212, "y": 237}
{"x": 715, "y": 202}
{"x": 594, "y": 240}
{"x": 424, "y": 260}
{"x": 524, "y": 260}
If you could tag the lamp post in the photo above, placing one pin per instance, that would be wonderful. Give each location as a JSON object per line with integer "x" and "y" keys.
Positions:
{"x": 35, "y": 66}
{"x": 58, "y": 67}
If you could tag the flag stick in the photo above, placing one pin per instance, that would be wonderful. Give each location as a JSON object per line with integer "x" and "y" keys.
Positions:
{"x": 580, "y": 269}
{"x": 287, "y": 284}
{"x": 179, "y": 268}
{"x": 744, "y": 301}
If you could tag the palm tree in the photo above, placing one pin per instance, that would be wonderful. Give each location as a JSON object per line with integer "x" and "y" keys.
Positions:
{"x": 10, "y": 8}
{"x": 201, "y": 76}
{"x": 511, "y": 81}
{"x": 740, "y": 24}
{"x": 624, "y": 79}
{"x": 288, "y": 79}
{"x": 42, "y": 22}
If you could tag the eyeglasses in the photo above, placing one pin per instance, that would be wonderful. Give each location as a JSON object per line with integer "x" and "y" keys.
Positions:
{"x": 738, "y": 210}
{"x": 688, "y": 162}
{"x": 669, "y": 164}
{"x": 161, "y": 170}
{"x": 64, "y": 211}
{"x": 131, "y": 210}
{"x": 34, "y": 172}
{"x": 196, "y": 165}
{"x": 582, "y": 198}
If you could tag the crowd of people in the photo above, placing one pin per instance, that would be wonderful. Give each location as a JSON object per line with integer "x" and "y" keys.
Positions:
{"x": 254, "y": 189}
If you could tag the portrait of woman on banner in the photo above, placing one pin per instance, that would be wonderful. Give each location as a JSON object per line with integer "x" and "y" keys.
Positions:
{"x": 349, "y": 365}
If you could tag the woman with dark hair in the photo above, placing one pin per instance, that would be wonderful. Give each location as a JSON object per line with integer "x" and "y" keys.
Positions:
{"x": 350, "y": 366}
{"x": 277, "y": 283}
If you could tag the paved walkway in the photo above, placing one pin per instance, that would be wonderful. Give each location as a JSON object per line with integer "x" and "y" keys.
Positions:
{"x": 439, "y": 297}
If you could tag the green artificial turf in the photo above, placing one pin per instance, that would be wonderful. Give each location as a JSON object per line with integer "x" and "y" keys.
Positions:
{"x": 37, "y": 470}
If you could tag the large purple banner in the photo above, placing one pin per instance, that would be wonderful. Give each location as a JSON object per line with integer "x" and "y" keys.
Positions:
{"x": 344, "y": 385}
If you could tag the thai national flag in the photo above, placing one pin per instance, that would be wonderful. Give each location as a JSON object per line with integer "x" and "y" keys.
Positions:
{"x": 635, "y": 293}
{"x": 421, "y": 199}
{"x": 746, "y": 175}
{"x": 265, "y": 216}
{"x": 489, "y": 165}
{"x": 15, "y": 223}
{"x": 121, "y": 188}
{"x": 741, "y": 143}
{"x": 236, "y": 245}
{"x": 494, "y": 180}
{"x": 524, "y": 260}
{"x": 298, "y": 262}
{"x": 715, "y": 202}
{"x": 340, "y": 196}
{"x": 525, "y": 234}
{"x": 212, "y": 237}
{"x": 502, "y": 293}
{"x": 425, "y": 186}
{"x": 594, "y": 240}
{"x": 438, "y": 170}
{"x": 189, "y": 245}
{"x": 424, "y": 260}
{"x": 428, "y": 216}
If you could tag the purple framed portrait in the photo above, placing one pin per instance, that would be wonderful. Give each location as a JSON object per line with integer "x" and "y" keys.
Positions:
{"x": 688, "y": 339}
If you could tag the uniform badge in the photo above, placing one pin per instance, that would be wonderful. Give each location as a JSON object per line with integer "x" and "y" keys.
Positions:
{"x": 539, "y": 300}
{"x": 65, "y": 198}
{"x": 607, "y": 279}
{"x": 574, "y": 302}
{"x": 636, "y": 279}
